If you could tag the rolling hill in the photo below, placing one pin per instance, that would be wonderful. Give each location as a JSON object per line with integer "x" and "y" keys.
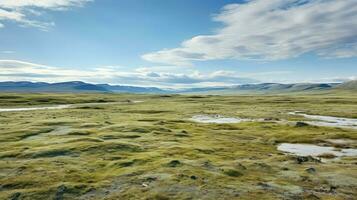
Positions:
{"x": 351, "y": 85}
{"x": 262, "y": 88}
{"x": 74, "y": 86}
{"x": 284, "y": 88}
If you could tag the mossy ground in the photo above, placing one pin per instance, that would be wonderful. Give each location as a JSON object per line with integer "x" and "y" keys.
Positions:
{"x": 150, "y": 150}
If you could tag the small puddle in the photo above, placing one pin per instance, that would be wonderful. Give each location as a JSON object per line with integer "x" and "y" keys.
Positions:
{"x": 328, "y": 120}
{"x": 34, "y": 108}
{"x": 218, "y": 119}
{"x": 315, "y": 150}
{"x": 65, "y": 106}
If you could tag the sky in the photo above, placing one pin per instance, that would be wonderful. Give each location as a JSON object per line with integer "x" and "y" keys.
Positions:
{"x": 178, "y": 43}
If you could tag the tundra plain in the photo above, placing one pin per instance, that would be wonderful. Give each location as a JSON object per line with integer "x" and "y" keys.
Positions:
{"x": 147, "y": 147}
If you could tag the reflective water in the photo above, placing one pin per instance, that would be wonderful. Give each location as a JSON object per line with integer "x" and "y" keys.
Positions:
{"x": 328, "y": 120}
{"x": 34, "y": 108}
{"x": 314, "y": 150}
{"x": 216, "y": 119}
{"x": 61, "y": 106}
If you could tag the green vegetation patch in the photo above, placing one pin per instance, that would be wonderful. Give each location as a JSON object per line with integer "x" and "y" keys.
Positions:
{"x": 153, "y": 150}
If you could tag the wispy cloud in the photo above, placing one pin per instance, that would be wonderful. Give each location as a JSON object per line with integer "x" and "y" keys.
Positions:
{"x": 333, "y": 79}
{"x": 272, "y": 30}
{"x": 14, "y": 70}
{"x": 7, "y": 52}
{"x": 24, "y": 12}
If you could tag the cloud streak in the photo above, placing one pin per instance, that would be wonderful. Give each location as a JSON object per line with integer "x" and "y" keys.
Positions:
{"x": 14, "y": 70}
{"x": 272, "y": 30}
{"x": 7, "y": 52}
{"x": 24, "y": 11}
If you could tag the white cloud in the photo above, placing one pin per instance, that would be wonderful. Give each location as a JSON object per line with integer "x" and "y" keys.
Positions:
{"x": 11, "y": 15}
{"x": 7, "y": 52}
{"x": 23, "y": 11}
{"x": 14, "y": 70}
{"x": 50, "y": 4}
{"x": 333, "y": 79}
{"x": 272, "y": 30}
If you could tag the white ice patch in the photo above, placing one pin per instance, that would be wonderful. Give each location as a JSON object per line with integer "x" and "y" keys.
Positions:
{"x": 328, "y": 120}
{"x": 34, "y": 108}
{"x": 218, "y": 119}
{"x": 137, "y": 101}
{"x": 61, "y": 106}
{"x": 314, "y": 150}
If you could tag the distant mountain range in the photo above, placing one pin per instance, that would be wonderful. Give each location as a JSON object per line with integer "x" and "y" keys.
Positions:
{"x": 73, "y": 86}
{"x": 78, "y": 86}
{"x": 350, "y": 85}
{"x": 284, "y": 88}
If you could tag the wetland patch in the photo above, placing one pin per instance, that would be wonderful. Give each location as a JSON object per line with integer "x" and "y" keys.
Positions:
{"x": 329, "y": 121}
{"x": 315, "y": 150}
{"x": 217, "y": 119}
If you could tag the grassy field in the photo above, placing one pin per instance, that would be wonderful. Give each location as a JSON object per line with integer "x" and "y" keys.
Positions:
{"x": 151, "y": 150}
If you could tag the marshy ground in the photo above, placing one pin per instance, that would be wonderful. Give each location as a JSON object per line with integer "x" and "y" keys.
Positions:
{"x": 148, "y": 147}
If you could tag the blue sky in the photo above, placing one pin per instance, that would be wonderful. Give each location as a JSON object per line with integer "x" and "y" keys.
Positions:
{"x": 178, "y": 43}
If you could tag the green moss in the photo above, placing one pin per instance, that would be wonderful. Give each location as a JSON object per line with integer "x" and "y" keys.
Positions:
{"x": 152, "y": 150}
{"x": 174, "y": 163}
{"x": 50, "y": 153}
{"x": 232, "y": 172}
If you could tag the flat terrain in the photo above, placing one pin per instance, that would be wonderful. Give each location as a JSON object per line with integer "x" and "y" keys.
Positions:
{"x": 146, "y": 147}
